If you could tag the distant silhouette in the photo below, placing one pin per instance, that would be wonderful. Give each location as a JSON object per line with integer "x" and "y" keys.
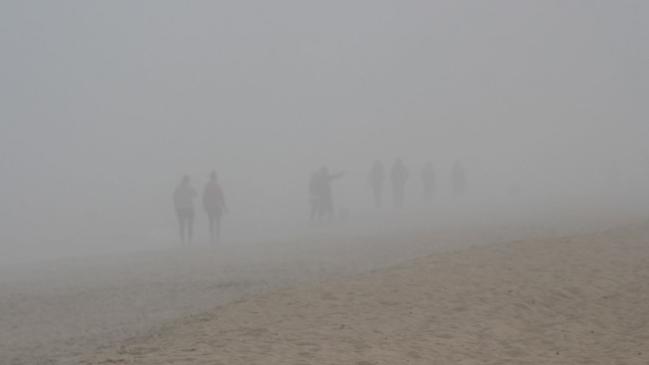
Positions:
{"x": 184, "y": 203}
{"x": 428, "y": 181}
{"x": 314, "y": 196}
{"x": 324, "y": 193}
{"x": 458, "y": 178}
{"x": 215, "y": 207}
{"x": 399, "y": 176}
{"x": 376, "y": 179}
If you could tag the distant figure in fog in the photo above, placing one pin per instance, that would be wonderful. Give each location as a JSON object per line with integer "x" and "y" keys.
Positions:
{"x": 458, "y": 177}
{"x": 399, "y": 176}
{"x": 215, "y": 207}
{"x": 376, "y": 179}
{"x": 314, "y": 196}
{"x": 324, "y": 193}
{"x": 428, "y": 181}
{"x": 184, "y": 203}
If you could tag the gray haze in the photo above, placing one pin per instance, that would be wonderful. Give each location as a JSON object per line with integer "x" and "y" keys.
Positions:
{"x": 105, "y": 105}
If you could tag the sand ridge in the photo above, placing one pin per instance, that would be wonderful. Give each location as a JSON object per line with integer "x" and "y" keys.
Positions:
{"x": 557, "y": 301}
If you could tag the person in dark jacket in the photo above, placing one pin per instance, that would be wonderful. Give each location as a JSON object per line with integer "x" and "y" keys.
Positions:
{"x": 324, "y": 193}
{"x": 184, "y": 204}
{"x": 215, "y": 207}
{"x": 314, "y": 196}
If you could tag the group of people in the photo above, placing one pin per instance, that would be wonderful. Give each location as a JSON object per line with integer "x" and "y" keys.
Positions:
{"x": 399, "y": 176}
{"x": 213, "y": 203}
{"x": 320, "y": 194}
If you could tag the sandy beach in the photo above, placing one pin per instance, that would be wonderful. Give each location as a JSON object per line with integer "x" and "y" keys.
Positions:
{"x": 572, "y": 300}
{"x": 331, "y": 182}
{"x": 53, "y": 310}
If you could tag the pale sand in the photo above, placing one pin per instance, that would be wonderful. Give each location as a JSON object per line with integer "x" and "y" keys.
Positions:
{"x": 577, "y": 300}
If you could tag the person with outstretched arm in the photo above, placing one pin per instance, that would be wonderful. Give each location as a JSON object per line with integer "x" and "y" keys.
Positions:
{"x": 325, "y": 194}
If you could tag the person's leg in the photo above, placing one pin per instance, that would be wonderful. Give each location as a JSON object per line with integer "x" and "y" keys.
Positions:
{"x": 375, "y": 192}
{"x": 190, "y": 226}
{"x": 212, "y": 219}
{"x": 217, "y": 228}
{"x": 212, "y": 228}
{"x": 330, "y": 210}
{"x": 379, "y": 197}
{"x": 181, "y": 226}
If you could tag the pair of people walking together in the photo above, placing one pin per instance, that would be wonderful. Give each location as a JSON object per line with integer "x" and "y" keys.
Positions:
{"x": 213, "y": 203}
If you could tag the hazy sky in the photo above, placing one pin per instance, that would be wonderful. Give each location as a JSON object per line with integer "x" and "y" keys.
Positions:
{"x": 104, "y": 104}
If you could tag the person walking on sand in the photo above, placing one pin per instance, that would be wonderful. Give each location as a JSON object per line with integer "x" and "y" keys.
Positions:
{"x": 325, "y": 194}
{"x": 314, "y": 196}
{"x": 184, "y": 204}
{"x": 399, "y": 176}
{"x": 376, "y": 179}
{"x": 215, "y": 207}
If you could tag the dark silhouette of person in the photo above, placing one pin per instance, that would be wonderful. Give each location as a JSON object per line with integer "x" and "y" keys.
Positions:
{"x": 314, "y": 196}
{"x": 399, "y": 176}
{"x": 215, "y": 207}
{"x": 458, "y": 178}
{"x": 428, "y": 181}
{"x": 376, "y": 179}
{"x": 325, "y": 194}
{"x": 184, "y": 203}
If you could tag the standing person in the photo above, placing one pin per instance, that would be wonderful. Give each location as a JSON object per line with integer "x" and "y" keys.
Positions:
{"x": 215, "y": 207}
{"x": 399, "y": 176}
{"x": 184, "y": 203}
{"x": 428, "y": 180}
{"x": 314, "y": 196}
{"x": 325, "y": 194}
{"x": 376, "y": 179}
{"x": 458, "y": 178}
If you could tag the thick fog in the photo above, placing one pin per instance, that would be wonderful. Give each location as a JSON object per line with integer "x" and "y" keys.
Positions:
{"x": 106, "y": 105}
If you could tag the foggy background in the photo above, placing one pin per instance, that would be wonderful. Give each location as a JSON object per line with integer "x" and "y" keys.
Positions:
{"x": 105, "y": 105}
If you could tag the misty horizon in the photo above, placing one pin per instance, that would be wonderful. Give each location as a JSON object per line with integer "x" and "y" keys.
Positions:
{"x": 107, "y": 105}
